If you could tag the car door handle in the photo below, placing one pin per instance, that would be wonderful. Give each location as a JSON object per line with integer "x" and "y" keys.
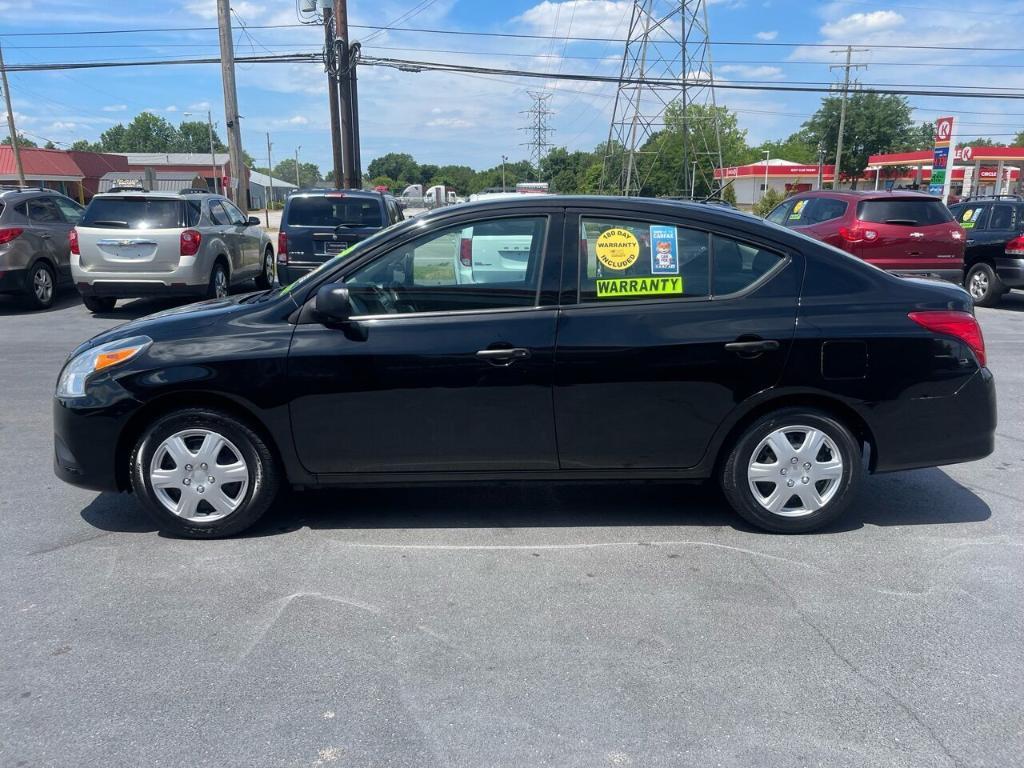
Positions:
{"x": 44, "y": 235}
{"x": 752, "y": 347}
{"x": 970, "y": 242}
{"x": 503, "y": 357}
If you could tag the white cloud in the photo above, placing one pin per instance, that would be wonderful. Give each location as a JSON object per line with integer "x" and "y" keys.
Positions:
{"x": 115, "y": 108}
{"x": 199, "y": 106}
{"x": 748, "y": 72}
{"x": 450, "y": 122}
{"x": 171, "y": 108}
{"x": 298, "y": 120}
{"x": 857, "y": 25}
{"x": 207, "y": 9}
{"x": 589, "y": 18}
{"x": 767, "y": 35}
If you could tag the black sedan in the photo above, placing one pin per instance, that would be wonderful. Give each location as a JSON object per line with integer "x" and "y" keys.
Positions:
{"x": 547, "y": 338}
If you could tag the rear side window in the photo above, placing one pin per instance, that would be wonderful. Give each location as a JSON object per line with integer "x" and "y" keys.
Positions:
{"x": 972, "y": 216}
{"x": 633, "y": 260}
{"x": 906, "y": 211}
{"x": 43, "y": 211}
{"x": 193, "y": 213}
{"x": 133, "y": 213}
{"x": 738, "y": 265}
{"x": 824, "y": 209}
{"x": 335, "y": 212}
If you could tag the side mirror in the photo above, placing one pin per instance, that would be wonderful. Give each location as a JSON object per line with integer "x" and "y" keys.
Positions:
{"x": 333, "y": 303}
{"x": 254, "y": 221}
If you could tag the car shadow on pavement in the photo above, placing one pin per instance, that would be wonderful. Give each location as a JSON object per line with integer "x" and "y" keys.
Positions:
{"x": 15, "y": 305}
{"x": 921, "y": 497}
{"x": 1011, "y": 302}
{"x": 137, "y": 308}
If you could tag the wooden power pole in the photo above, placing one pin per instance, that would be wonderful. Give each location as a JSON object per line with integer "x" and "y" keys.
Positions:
{"x": 10, "y": 122}
{"x": 842, "y": 109}
{"x": 227, "y": 68}
{"x": 341, "y": 56}
{"x": 332, "y": 94}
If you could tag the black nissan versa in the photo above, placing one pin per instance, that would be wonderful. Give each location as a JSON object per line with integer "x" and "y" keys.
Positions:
{"x": 606, "y": 339}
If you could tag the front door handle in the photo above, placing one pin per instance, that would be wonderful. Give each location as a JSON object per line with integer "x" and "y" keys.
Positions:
{"x": 503, "y": 357}
{"x": 752, "y": 347}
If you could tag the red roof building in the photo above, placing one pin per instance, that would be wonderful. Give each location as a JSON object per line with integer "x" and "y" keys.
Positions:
{"x": 51, "y": 168}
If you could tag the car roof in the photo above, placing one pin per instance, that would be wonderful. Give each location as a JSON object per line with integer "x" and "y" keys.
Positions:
{"x": 368, "y": 193}
{"x": 868, "y": 194}
{"x": 159, "y": 195}
{"x": 16, "y": 193}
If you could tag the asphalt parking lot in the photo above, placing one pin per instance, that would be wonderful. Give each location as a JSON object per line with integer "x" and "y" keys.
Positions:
{"x": 639, "y": 625}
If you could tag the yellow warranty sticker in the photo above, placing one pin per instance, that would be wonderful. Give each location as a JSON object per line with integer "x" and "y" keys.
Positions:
{"x": 639, "y": 286}
{"x": 617, "y": 248}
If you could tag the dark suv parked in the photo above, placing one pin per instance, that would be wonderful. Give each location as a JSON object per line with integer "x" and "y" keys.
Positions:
{"x": 34, "y": 252}
{"x": 907, "y": 233}
{"x": 317, "y": 224}
{"x": 994, "y": 260}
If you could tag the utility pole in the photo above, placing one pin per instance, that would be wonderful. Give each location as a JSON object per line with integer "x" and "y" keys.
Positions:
{"x": 357, "y": 162}
{"x": 821, "y": 169}
{"x": 503, "y": 159}
{"x": 298, "y": 183}
{"x": 343, "y": 63}
{"x": 538, "y": 127}
{"x": 10, "y": 123}
{"x": 231, "y": 116}
{"x": 213, "y": 152}
{"x": 842, "y": 109}
{"x": 332, "y": 97}
{"x": 270, "y": 175}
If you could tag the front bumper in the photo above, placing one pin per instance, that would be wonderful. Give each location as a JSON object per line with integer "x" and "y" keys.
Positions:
{"x": 86, "y": 437}
{"x": 1010, "y": 271}
{"x": 934, "y": 431}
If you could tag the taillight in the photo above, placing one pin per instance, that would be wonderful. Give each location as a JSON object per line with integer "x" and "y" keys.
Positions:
{"x": 1013, "y": 248}
{"x": 10, "y": 233}
{"x": 466, "y": 251}
{"x": 73, "y": 241}
{"x": 282, "y": 247}
{"x": 190, "y": 242}
{"x": 962, "y": 325}
{"x": 857, "y": 234}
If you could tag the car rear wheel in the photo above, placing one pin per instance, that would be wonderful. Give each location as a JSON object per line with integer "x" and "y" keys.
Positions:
{"x": 99, "y": 304}
{"x": 265, "y": 279}
{"x": 792, "y": 471}
{"x": 984, "y": 285}
{"x": 41, "y": 285}
{"x": 203, "y": 474}
{"x": 218, "y": 286}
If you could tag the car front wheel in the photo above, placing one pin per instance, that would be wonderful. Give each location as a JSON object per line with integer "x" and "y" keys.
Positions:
{"x": 792, "y": 471}
{"x": 984, "y": 285}
{"x": 203, "y": 474}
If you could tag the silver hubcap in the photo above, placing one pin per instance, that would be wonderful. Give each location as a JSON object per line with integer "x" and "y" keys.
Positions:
{"x": 978, "y": 285}
{"x": 220, "y": 284}
{"x": 795, "y": 471}
{"x": 268, "y": 267}
{"x": 42, "y": 284}
{"x": 199, "y": 475}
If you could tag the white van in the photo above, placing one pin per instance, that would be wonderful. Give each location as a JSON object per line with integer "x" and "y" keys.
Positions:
{"x": 495, "y": 251}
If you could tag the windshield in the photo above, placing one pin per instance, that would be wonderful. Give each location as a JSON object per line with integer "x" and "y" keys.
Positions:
{"x": 353, "y": 250}
{"x": 335, "y": 212}
{"x": 133, "y": 213}
{"x": 910, "y": 211}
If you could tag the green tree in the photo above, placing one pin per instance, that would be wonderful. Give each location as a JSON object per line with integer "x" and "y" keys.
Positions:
{"x": 381, "y": 181}
{"x": 146, "y": 133}
{"x": 23, "y": 141}
{"x": 461, "y": 178}
{"x": 769, "y": 200}
{"x": 309, "y": 173}
{"x": 875, "y": 123}
{"x": 396, "y": 165}
{"x": 799, "y": 147}
{"x": 1018, "y": 140}
{"x": 194, "y": 136}
{"x": 82, "y": 145}
{"x": 565, "y": 170}
{"x": 729, "y": 194}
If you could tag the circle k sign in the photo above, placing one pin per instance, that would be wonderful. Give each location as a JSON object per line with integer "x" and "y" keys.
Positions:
{"x": 944, "y": 128}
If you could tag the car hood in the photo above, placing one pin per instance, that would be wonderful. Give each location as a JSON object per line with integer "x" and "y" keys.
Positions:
{"x": 178, "y": 320}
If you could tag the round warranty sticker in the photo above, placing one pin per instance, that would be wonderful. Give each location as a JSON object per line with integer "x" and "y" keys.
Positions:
{"x": 617, "y": 248}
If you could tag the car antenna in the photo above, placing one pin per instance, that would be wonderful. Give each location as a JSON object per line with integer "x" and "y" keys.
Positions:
{"x": 720, "y": 191}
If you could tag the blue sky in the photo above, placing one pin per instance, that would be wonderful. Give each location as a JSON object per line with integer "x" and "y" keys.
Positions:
{"x": 448, "y": 118}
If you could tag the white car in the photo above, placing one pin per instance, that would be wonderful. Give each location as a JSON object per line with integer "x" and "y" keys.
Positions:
{"x": 494, "y": 252}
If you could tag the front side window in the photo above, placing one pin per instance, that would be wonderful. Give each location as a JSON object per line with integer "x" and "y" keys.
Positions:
{"x": 623, "y": 259}
{"x": 72, "y": 211}
{"x": 739, "y": 265}
{"x": 493, "y": 264}
{"x": 219, "y": 214}
{"x": 780, "y": 212}
{"x": 235, "y": 216}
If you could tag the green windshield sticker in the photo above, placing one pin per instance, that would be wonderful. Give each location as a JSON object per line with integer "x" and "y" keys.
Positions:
{"x": 639, "y": 286}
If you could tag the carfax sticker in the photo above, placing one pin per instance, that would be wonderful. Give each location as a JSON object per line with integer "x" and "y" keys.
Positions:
{"x": 617, "y": 248}
{"x": 639, "y": 286}
{"x": 664, "y": 256}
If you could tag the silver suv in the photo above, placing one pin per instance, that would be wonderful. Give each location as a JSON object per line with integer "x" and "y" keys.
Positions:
{"x": 34, "y": 226}
{"x": 136, "y": 243}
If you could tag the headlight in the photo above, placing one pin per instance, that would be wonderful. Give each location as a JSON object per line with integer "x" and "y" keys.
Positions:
{"x": 78, "y": 370}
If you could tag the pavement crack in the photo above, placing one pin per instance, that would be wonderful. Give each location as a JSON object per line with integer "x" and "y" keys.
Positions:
{"x": 68, "y": 544}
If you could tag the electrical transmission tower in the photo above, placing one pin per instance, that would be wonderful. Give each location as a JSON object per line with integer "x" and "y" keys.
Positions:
{"x": 538, "y": 129}
{"x": 666, "y": 80}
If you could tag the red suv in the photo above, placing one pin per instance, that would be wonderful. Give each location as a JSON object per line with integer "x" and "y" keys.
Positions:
{"x": 908, "y": 233}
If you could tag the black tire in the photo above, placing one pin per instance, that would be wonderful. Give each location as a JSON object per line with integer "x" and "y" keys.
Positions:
{"x": 261, "y": 472}
{"x": 265, "y": 278}
{"x": 40, "y": 286}
{"x": 99, "y": 304}
{"x": 219, "y": 272}
{"x": 839, "y": 493}
{"x": 984, "y": 285}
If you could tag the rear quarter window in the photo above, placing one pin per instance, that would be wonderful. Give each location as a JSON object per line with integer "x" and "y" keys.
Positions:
{"x": 334, "y": 212}
{"x": 137, "y": 213}
{"x": 910, "y": 212}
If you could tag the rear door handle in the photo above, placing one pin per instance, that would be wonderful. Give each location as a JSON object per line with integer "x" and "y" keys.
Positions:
{"x": 970, "y": 242}
{"x": 44, "y": 235}
{"x": 503, "y": 356}
{"x": 752, "y": 347}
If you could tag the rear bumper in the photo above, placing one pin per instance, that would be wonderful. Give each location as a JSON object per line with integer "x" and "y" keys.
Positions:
{"x": 1010, "y": 271}
{"x": 12, "y": 280}
{"x": 287, "y": 273}
{"x": 124, "y": 289}
{"x": 950, "y": 275}
{"x": 931, "y": 432}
